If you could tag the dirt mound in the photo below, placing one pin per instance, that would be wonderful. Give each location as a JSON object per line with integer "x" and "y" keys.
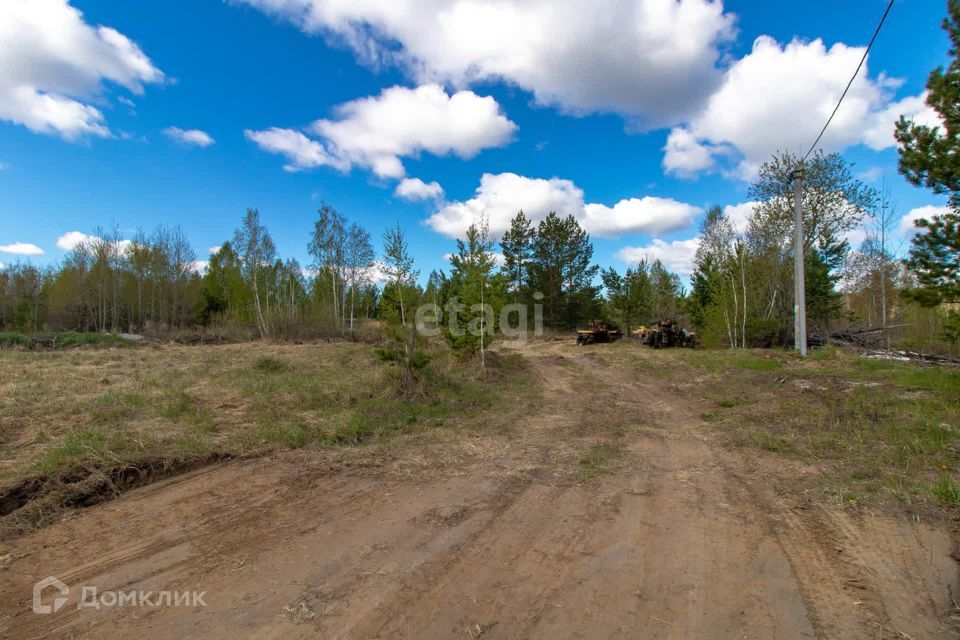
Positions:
{"x": 25, "y": 502}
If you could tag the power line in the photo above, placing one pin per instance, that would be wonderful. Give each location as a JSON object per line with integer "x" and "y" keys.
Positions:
{"x": 852, "y": 78}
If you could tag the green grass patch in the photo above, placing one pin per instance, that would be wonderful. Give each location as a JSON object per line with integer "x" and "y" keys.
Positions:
{"x": 293, "y": 433}
{"x": 266, "y": 364}
{"x": 773, "y": 442}
{"x": 600, "y": 459}
{"x": 756, "y": 363}
{"x": 946, "y": 490}
{"x": 178, "y": 406}
{"x": 80, "y": 447}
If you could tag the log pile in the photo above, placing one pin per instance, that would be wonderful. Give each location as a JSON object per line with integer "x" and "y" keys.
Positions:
{"x": 871, "y": 343}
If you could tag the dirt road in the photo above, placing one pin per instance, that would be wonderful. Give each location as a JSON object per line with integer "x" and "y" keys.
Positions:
{"x": 676, "y": 537}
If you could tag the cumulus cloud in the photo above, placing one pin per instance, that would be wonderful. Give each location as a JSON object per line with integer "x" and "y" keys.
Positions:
{"x": 777, "y": 98}
{"x": 677, "y": 256}
{"x": 53, "y": 65}
{"x": 686, "y": 156}
{"x": 638, "y": 215}
{"x": 21, "y": 249}
{"x": 500, "y": 196}
{"x": 878, "y": 133}
{"x": 377, "y": 131}
{"x": 300, "y": 151}
{"x": 417, "y": 189}
{"x": 194, "y": 137}
{"x": 908, "y": 229}
{"x": 654, "y": 61}
{"x": 739, "y": 214}
{"x": 71, "y": 239}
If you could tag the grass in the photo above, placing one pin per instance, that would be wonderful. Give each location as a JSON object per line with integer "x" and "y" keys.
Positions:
{"x": 266, "y": 364}
{"x": 66, "y": 411}
{"x": 600, "y": 459}
{"x": 947, "y": 491}
{"x": 100, "y": 447}
{"x": 882, "y": 427}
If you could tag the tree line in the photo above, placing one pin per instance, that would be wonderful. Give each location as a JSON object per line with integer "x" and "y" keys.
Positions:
{"x": 740, "y": 293}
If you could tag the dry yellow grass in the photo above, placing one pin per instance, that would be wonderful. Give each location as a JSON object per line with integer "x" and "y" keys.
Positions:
{"x": 71, "y": 415}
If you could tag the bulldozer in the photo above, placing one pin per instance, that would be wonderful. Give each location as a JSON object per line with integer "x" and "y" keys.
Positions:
{"x": 598, "y": 331}
{"x": 665, "y": 333}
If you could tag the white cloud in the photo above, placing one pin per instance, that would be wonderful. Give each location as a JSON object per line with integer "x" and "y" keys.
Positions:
{"x": 200, "y": 266}
{"x": 300, "y": 151}
{"x": 417, "y": 189}
{"x": 651, "y": 60}
{"x": 71, "y": 239}
{"x": 855, "y": 236}
{"x": 906, "y": 226}
{"x": 214, "y": 250}
{"x": 677, "y": 256}
{"x": 377, "y": 131}
{"x": 22, "y": 249}
{"x": 53, "y": 64}
{"x": 739, "y": 214}
{"x": 778, "y": 98}
{"x": 500, "y": 196}
{"x": 686, "y": 156}
{"x": 878, "y": 134}
{"x": 194, "y": 137}
{"x": 644, "y": 215}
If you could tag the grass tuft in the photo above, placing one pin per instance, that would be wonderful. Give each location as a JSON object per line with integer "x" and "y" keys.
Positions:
{"x": 947, "y": 491}
{"x": 265, "y": 364}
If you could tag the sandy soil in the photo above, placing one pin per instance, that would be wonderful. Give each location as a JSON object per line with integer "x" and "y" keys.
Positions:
{"x": 684, "y": 539}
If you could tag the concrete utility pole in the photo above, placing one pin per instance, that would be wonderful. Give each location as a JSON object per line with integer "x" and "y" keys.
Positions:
{"x": 800, "y": 303}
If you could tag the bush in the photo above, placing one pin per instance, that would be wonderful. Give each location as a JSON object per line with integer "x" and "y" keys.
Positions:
{"x": 763, "y": 333}
{"x": 60, "y": 340}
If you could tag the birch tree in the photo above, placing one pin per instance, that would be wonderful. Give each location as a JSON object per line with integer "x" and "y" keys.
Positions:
{"x": 256, "y": 250}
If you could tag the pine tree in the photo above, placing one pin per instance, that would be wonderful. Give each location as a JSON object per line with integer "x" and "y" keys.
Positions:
{"x": 517, "y": 248}
{"x": 935, "y": 258}
{"x": 478, "y": 291}
{"x": 930, "y": 157}
{"x": 562, "y": 271}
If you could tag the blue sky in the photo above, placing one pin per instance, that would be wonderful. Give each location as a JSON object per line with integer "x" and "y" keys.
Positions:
{"x": 566, "y": 105}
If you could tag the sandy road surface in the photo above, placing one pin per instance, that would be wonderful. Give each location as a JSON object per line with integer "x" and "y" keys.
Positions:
{"x": 683, "y": 540}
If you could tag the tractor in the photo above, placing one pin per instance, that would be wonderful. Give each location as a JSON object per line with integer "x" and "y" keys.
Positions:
{"x": 667, "y": 333}
{"x": 598, "y": 331}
